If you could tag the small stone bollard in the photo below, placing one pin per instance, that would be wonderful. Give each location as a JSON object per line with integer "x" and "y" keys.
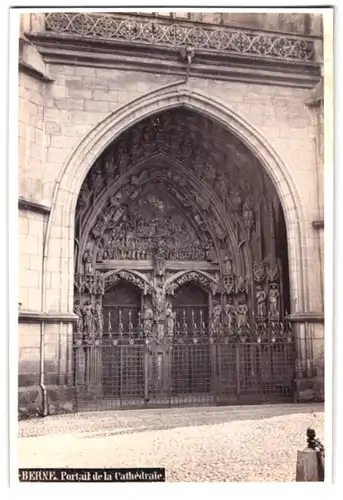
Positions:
{"x": 310, "y": 461}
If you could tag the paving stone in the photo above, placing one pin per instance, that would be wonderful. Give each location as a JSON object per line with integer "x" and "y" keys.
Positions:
{"x": 194, "y": 445}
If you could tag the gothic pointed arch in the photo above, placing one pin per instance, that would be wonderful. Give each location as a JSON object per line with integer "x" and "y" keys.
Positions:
{"x": 262, "y": 156}
{"x": 179, "y": 240}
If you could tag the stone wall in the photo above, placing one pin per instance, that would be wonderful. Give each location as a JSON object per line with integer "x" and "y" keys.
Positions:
{"x": 31, "y": 230}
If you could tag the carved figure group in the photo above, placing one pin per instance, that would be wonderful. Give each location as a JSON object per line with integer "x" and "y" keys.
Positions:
{"x": 90, "y": 320}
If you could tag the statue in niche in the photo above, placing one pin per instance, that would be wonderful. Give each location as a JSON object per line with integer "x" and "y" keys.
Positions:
{"x": 227, "y": 264}
{"x": 98, "y": 318}
{"x": 108, "y": 168}
{"x": 248, "y": 216}
{"x": 273, "y": 296}
{"x": 148, "y": 319}
{"x": 210, "y": 174}
{"x": 261, "y": 297}
{"x": 161, "y": 254}
{"x": 222, "y": 186}
{"x": 203, "y": 203}
{"x": 99, "y": 225}
{"x": 170, "y": 320}
{"x": 236, "y": 201}
{"x": 100, "y": 253}
{"x": 242, "y": 313}
{"x": 158, "y": 302}
{"x": 216, "y": 317}
{"x": 99, "y": 286}
{"x": 230, "y": 313}
{"x": 218, "y": 230}
{"x": 88, "y": 318}
{"x": 115, "y": 200}
{"x": 79, "y": 321}
{"x": 87, "y": 261}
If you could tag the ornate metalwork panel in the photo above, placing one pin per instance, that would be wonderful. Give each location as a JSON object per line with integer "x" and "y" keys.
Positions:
{"x": 178, "y": 34}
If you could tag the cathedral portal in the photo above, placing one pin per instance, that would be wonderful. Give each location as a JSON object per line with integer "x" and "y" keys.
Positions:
{"x": 181, "y": 272}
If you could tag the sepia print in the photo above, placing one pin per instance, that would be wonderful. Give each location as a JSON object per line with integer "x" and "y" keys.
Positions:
{"x": 171, "y": 242}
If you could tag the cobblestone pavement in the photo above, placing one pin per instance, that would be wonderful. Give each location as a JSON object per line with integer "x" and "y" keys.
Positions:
{"x": 226, "y": 444}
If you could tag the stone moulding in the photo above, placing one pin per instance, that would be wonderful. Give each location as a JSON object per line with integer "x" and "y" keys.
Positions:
{"x": 306, "y": 317}
{"x": 33, "y": 206}
{"x": 169, "y": 33}
{"x": 32, "y": 71}
{"x": 72, "y": 49}
{"x": 39, "y": 317}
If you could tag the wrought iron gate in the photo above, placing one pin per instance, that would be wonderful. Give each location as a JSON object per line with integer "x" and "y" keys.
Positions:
{"x": 128, "y": 369}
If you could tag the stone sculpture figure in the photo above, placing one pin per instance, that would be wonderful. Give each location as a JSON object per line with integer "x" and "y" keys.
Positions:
{"x": 88, "y": 318}
{"x": 227, "y": 264}
{"x": 148, "y": 318}
{"x": 158, "y": 301}
{"x": 160, "y": 256}
{"x": 87, "y": 261}
{"x": 242, "y": 314}
{"x": 273, "y": 296}
{"x": 230, "y": 313}
{"x": 216, "y": 316}
{"x": 79, "y": 321}
{"x": 100, "y": 252}
{"x": 98, "y": 318}
{"x": 261, "y": 301}
{"x": 236, "y": 201}
{"x": 170, "y": 321}
{"x": 248, "y": 216}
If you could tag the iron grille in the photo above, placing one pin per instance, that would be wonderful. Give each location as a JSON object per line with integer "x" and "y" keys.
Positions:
{"x": 126, "y": 370}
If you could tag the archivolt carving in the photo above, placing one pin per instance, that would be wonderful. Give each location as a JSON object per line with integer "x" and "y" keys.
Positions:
{"x": 135, "y": 278}
{"x": 209, "y": 282}
{"x": 219, "y": 161}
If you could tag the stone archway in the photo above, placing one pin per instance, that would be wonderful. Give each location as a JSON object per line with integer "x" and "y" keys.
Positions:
{"x": 178, "y": 201}
{"x": 61, "y": 224}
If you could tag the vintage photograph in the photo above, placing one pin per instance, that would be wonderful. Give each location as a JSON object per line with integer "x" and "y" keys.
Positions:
{"x": 171, "y": 246}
